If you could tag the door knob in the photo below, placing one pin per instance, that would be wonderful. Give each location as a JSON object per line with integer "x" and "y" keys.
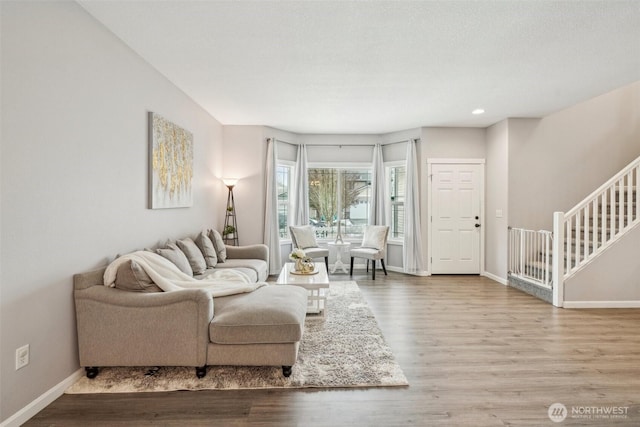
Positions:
{"x": 477, "y": 225}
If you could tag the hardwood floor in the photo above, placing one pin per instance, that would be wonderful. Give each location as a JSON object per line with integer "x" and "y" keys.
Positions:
{"x": 476, "y": 353}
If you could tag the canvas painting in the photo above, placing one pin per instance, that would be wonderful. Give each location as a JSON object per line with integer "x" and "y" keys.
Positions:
{"x": 171, "y": 164}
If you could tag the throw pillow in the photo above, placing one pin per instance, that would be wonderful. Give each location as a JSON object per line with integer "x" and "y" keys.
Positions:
{"x": 305, "y": 237}
{"x": 176, "y": 256}
{"x": 131, "y": 277}
{"x": 218, "y": 243}
{"x": 208, "y": 250}
{"x": 375, "y": 236}
{"x": 194, "y": 255}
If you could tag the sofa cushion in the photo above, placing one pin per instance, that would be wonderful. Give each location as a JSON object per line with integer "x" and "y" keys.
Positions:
{"x": 270, "y": 314}
{"x": 193, "y": 254}
{"x": 375, "y": 237}
{"x": 176, "y": 256}
{"x": 258, "y": 267}
{"x": 131, "y": 277}
{"x": 218, "y": 243}
{"x": 208, "y": 250}
{"x": 316, "y": 252}
{"x": 305, "y": 237}
{"x": 367, "y": 253}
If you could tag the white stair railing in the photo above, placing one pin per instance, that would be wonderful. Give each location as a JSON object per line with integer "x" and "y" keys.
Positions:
{"x": 594, "y": 224}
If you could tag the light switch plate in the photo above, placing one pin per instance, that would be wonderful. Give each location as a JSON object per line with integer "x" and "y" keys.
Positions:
{"x": 22, "y": 357}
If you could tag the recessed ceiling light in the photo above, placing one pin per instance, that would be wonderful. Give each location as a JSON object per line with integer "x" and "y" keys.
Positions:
{"x": 478, "y": 111}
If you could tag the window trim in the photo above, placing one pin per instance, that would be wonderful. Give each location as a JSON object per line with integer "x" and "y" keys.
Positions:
{"x": 387, "y": 175}
{"x": 340, "y": 166}
{"x": 320, "y": 165}
{"x": 292, "y": 165}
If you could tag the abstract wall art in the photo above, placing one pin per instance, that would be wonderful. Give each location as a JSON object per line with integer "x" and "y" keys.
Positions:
{"x": 171, "y": 164}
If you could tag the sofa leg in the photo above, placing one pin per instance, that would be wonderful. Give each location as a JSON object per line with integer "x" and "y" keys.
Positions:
{"x": 286, "y": 371}
{"x": 201, "y": 371}
{"x": 92, "y": 372}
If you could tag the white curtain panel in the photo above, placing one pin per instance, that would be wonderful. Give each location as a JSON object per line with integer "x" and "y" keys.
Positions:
{"x": 301, "y": 189}
{"x": 271, "y": 232}
{"x": 377, "y": 208}
{"x": 412, "y": 248}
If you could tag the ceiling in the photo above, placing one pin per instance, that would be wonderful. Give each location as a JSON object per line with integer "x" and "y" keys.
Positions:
{"x": 381, "y": 66}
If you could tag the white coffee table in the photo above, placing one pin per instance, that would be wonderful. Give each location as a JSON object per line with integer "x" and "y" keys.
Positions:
{"x": 317, "y": 284}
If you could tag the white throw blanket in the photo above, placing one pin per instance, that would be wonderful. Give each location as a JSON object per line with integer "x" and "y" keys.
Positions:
{"x": 169, "y": 278}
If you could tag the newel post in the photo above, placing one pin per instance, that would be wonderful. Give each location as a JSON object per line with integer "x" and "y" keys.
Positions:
{"x": 557, "y": 263}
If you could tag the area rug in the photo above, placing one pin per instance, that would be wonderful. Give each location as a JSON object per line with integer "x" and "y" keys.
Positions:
{"x": 345, "y": 349}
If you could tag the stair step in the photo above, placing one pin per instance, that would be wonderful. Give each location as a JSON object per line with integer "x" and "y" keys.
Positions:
{"x": 573, "y": 255}
{"x": 608, "y": 230}
{"x": 598, "y": 230}
{"x": 617, "y": 202}
{"x": 624, "y": 192}
{"x": 537, "y": 265}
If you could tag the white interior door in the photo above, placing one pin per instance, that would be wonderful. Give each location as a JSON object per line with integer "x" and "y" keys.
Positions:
{"x": 455, "y": 218}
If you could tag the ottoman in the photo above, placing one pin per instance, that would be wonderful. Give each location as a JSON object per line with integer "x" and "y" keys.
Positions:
{"x": 263, "y": 327}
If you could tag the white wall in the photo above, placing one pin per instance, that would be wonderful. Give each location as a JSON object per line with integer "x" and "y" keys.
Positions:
{"x": 453, "y": 143}
{"x": 497, "y": 198}
{"x": 342, "y": 148}
{"x": 555, "y": 161}
{"x": 74, "y": 177}
{"x": 339, "y": 139}
{"x": 245, "y": 151}
{"x": 612, "y": 277}
{"x": 244, "y": 157}
{"x": 558, "y": 160}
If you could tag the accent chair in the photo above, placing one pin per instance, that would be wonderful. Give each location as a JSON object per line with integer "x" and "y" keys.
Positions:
{"x": 373, "y": 248}
{"x": 304, "y": 237}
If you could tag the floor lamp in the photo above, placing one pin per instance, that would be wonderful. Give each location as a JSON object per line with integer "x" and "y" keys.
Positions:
{"x": 230, "y": 230}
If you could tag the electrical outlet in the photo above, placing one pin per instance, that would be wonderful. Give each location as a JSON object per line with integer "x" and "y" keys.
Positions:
{"x": 22, "y": 357}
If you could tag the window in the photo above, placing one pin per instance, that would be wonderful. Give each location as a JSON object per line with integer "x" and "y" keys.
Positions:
{"x": 396, "y": 176}
{"x": 283, "y": 183}
{"x": 339, "y": 197}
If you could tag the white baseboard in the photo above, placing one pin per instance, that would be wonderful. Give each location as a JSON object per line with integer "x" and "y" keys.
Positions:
{"x": 601, "y": 304}
{"x": 26, "y": 413}
{"x": 421, "y": 274}
{"x": 494, "y": 277}
{"x": 394, "y": 269}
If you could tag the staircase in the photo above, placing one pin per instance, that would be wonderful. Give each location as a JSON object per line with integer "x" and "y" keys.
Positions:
{"x": 540, "y": 261}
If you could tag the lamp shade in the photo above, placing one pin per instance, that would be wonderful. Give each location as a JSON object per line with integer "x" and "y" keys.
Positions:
{"x": 230, "y": 182}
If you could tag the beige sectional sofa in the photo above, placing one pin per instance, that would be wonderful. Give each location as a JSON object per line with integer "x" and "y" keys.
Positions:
{"x": 143, "y": 326}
